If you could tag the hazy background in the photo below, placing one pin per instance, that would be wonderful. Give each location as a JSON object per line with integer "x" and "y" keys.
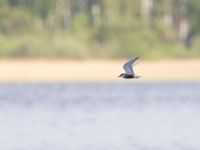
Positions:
{"x": 59, "y": 62}
{"x": 99, "y": 28}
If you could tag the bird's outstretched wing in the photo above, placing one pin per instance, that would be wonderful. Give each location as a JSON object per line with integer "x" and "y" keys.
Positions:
{"x": 128, "y": 66}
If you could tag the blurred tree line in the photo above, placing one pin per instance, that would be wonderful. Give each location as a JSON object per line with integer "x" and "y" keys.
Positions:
{"x": 99, "y": 28}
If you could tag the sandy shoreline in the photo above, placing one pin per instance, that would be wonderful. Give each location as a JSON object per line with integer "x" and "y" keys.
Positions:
{"x": 95, "y": 70}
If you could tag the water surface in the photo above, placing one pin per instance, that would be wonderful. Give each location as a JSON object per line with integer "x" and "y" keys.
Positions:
{"x": 100, "y": 116}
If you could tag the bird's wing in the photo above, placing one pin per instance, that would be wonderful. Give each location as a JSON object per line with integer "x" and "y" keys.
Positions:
{"x": 128, "y": 66}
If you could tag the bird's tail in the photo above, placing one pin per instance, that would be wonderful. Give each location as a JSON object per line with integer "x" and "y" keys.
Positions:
{"x": 138, "y": 76}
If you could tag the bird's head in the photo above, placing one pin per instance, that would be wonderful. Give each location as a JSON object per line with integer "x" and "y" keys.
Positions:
{"x": 121, "y": 75}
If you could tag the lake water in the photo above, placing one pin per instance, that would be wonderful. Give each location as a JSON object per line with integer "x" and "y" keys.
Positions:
{"x": 100, "y": 116}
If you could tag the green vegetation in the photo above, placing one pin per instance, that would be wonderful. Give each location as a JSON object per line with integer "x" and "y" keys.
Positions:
{"x": 99, "y": 28}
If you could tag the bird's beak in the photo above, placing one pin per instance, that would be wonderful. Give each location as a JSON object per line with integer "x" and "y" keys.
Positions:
{"x": 120, "y": 75}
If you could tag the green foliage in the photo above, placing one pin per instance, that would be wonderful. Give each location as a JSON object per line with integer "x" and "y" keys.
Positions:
{"x": 15, "y": 21}
{"x": 95, "y": 28}
{"x": 81, "y": 22}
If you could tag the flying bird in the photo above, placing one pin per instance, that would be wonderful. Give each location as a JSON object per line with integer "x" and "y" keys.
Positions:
{"x": 128, "y": 67}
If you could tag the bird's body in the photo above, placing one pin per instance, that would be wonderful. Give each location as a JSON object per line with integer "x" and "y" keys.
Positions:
{"x": 128, "y": 67}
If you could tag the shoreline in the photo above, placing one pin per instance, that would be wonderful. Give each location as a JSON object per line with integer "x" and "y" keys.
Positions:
{"x": 43, "y": 70}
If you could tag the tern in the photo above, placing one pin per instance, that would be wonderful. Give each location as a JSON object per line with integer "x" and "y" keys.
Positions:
{"x": 128, "y": 67}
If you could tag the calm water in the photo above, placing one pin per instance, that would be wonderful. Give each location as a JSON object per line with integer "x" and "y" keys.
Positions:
{"x": 100, "y": 116}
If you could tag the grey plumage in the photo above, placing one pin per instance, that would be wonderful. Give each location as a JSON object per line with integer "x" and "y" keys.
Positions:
{"x": 128, "y": 67}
